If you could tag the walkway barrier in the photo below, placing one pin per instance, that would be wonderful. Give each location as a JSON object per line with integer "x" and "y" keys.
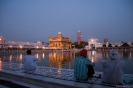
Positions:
{"x": 57, "y": 73}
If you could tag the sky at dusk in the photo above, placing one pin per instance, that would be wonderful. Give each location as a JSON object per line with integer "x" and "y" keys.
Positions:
{"x": 35, "y": 20}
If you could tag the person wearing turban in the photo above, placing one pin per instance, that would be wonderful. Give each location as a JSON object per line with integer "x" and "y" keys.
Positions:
{"x": 112, "y": 69}
{"x": 81, "y": 70}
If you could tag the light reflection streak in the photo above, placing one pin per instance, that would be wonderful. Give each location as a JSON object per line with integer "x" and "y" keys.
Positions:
{"x": 10, "y": 57}
{"x": 59, "y": 71}
{"x": 92, "y": 59}
{"x": 37, "y": 55}
{"x": 20, "y": 57}
{"x": 0, "y": 64}
{"x": 43, "y": 55}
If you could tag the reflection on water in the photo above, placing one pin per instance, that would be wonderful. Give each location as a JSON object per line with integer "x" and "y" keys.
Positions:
{"x": 66, "y": 59}
{"x": 0, "y": 64}
{"x": 59, "y": 59}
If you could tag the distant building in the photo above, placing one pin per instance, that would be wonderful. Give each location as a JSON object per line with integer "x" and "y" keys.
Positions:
{"x": 106, "y": 42}
{"x": 2, "y": 40}
{"x": 79, "y": 37}
{"x": 116, "y": 44}
{"x": 93, "y": 44}
{"x": 130, "y": 43}
{"x": 20, "y": 44}
{"x": 59, "y": 42}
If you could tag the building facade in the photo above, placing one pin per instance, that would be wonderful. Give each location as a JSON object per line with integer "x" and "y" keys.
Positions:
{"x": 79, "y": 37}
{"x": 93, "y": 44}
{"x": 106, "y": 42}
{"x": 20, "y": 44}
{"x": 2, "y": 41}
{"x": 59, "y": 42}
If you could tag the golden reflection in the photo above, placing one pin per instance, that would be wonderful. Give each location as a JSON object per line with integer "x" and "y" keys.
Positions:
{"x": 92, "y": 59}
{"x": 0, "y": 61}
{"x": 58, "y": 59}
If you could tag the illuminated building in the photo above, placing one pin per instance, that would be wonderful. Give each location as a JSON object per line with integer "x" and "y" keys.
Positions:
{"x": 59, "y": 42}
{"x": 79, "y": 37}
{"x": 20, "y": 44}
{"x": 93, "y": 44}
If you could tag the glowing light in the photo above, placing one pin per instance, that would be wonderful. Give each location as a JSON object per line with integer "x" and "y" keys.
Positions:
{"x": 93, "y": 52}
{"x": 21, "y": 46}
{"x": 37, "y": 47}
{"x": 54, "y": 55}
{"x": 43, "y": 47}
{"x": 0, "y": 39}
{"x": 10, "y": 57}
{"x": 0, "y": 64}
{"x": 20, "y": 57}
{"x": 92, "y": 59}
{"x": 59, "y": 71}
{"x": 43, "y": 55}
{"x": 37, "y": 55}
{"x": 10, "y": 46}
{"x": 92, "y": 40}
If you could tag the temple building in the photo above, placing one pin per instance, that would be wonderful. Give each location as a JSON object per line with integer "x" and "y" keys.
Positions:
{"x": 59, "y": 42}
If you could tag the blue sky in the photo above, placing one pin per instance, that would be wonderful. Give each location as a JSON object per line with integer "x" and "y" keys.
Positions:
{"x": 34, "y": 20}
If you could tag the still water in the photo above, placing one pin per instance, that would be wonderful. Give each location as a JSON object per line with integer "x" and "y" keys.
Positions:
{"x": 58, "y": 59}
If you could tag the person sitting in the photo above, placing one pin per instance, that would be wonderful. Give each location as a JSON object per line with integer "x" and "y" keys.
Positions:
{"x": 112, "y": 69}
{"x": 83, "y": 67}
{"x": 29, "y": 61}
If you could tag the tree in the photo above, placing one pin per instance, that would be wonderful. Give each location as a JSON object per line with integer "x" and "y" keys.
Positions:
{"x": 104, "y": 45}
{"x": 109, "y": 45}
{"x": 78, "y": 46}
{"x": 116, "y": 45}
{"x": 125, "y": 45}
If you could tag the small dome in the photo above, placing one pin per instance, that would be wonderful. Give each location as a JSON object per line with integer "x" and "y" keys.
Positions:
{"x": 78, "y": 30}
{"x": 59, "y": 32}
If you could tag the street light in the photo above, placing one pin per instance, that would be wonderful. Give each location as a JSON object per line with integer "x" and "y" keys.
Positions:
{"x": 92, "y": 40}
{"x": 43, "y": 47}
{"x": 37, "y": 47}
{"x": 21, "y": 46}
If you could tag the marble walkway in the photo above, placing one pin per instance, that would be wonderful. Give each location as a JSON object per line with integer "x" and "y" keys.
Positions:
{"x": 58, "y": 73}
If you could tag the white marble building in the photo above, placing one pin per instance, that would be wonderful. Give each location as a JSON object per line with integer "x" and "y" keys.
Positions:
{"x": 116, "y": 44}
{"x": 20, "y": 44}
{"x": 93, "y": 44}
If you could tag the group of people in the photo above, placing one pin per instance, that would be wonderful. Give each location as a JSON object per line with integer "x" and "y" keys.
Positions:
{"x": 112, "y": 68}
{"x": 84, "y": 67}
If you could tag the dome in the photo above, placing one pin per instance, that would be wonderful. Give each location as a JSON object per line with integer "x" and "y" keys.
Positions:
{"x": 59, "y": 32}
